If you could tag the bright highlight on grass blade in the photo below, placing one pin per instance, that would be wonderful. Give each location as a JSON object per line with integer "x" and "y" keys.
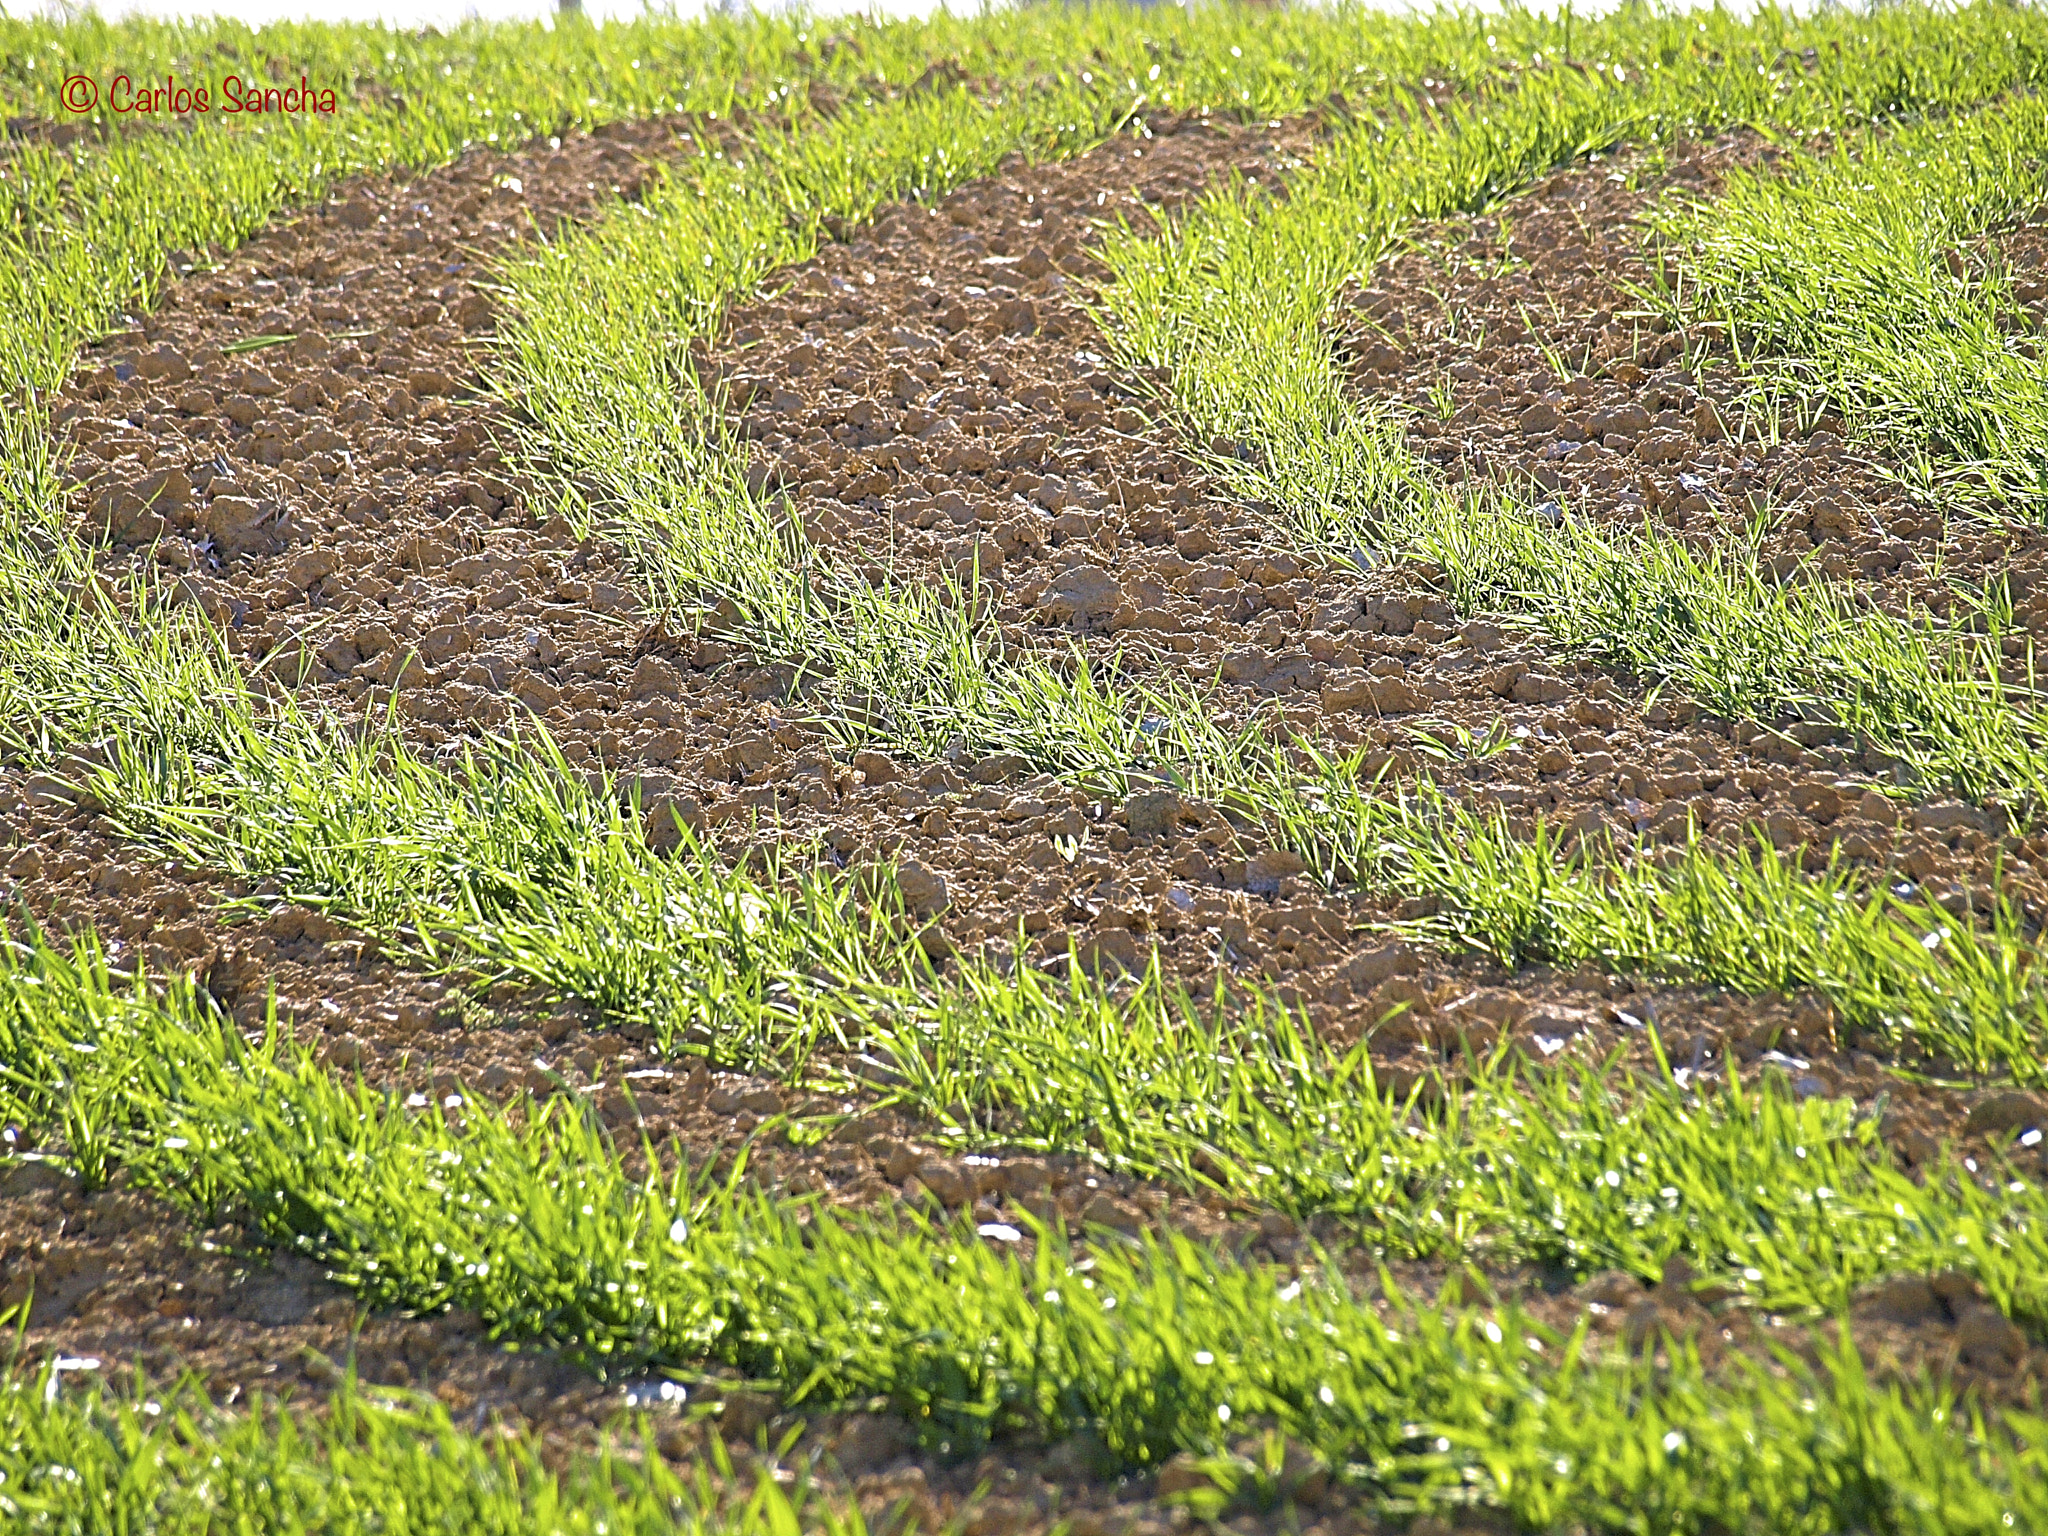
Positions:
{"x": 133, "y": 1457}
{"x": 913, "y": 668}
{"x": 596, "y": 357}
{"x": 508, "y": 864}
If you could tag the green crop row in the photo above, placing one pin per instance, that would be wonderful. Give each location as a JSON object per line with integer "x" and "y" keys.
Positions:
{"x": 1844, "y": 280}
{"x": 85, "y": 228}
{"x": 1790, "y": 1203}
{"x": 167, "y": 1463}
{"x": 1152, "y": 1348}
{"x": 1900, "y": 974}
{"x": 511, "y": 866}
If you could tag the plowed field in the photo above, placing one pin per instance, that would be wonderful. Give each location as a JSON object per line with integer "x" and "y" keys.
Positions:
{"x": 945, "y": 791}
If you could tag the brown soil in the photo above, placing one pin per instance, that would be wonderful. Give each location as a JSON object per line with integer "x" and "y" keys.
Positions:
{"x": 933, "y": 389}
{"x": 120, "y": 1279}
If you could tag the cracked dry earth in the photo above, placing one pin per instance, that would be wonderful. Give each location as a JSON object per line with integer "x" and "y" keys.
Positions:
{"x": 934, "y": 389}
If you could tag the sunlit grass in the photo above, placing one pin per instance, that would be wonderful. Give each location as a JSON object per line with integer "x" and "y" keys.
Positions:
{"x": 1849, "y": 281}
{"x": 84, "y": 232}
{"x": 85, "y": 229}
{"x": 162, "y": 1459}
{"x": 1156, "y": 1347}
{"x": 1924, "y": 699}
{"x": 506, "y": 864}
{"x": 1792, "y": 1203}
{"x": 1198, "y": 298}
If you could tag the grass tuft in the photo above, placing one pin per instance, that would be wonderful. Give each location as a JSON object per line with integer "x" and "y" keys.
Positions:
{"x": 1851, "y": 281}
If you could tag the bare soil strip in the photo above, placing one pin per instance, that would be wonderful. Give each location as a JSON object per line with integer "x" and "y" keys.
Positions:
{"x": 1131, "y": 552}
{"x": 1470, "y": 327}
{"x": 932, "y": 393}
{"x": 338, "y": 495}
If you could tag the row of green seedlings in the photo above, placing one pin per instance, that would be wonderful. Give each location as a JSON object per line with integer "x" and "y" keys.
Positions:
{"x": 125, "y": 1457}
{"x": 918, "y": 670}
{"x": 513, "y": 867}
{"x": 480, "y": 891}
{"x": 1152, "y": 1347}
{"x": 1198, "y": 299}
{"x": 1554, "y": 1168}
{"x": 508, "y": 858}
{"x": 1853, "y": 279}
{"x": 87, "y": 229}
{"x": 483, "y": 893}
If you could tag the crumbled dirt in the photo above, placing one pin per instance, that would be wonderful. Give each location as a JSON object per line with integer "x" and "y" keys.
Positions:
{"x": 1627, "y": 430}
{"x": 337, "y": 501}
{"x": 931, "y": 392}
{"x": 1907, "y": 1328}
{"x": 906, "y": 398}
{"x": 933, "y": 389}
